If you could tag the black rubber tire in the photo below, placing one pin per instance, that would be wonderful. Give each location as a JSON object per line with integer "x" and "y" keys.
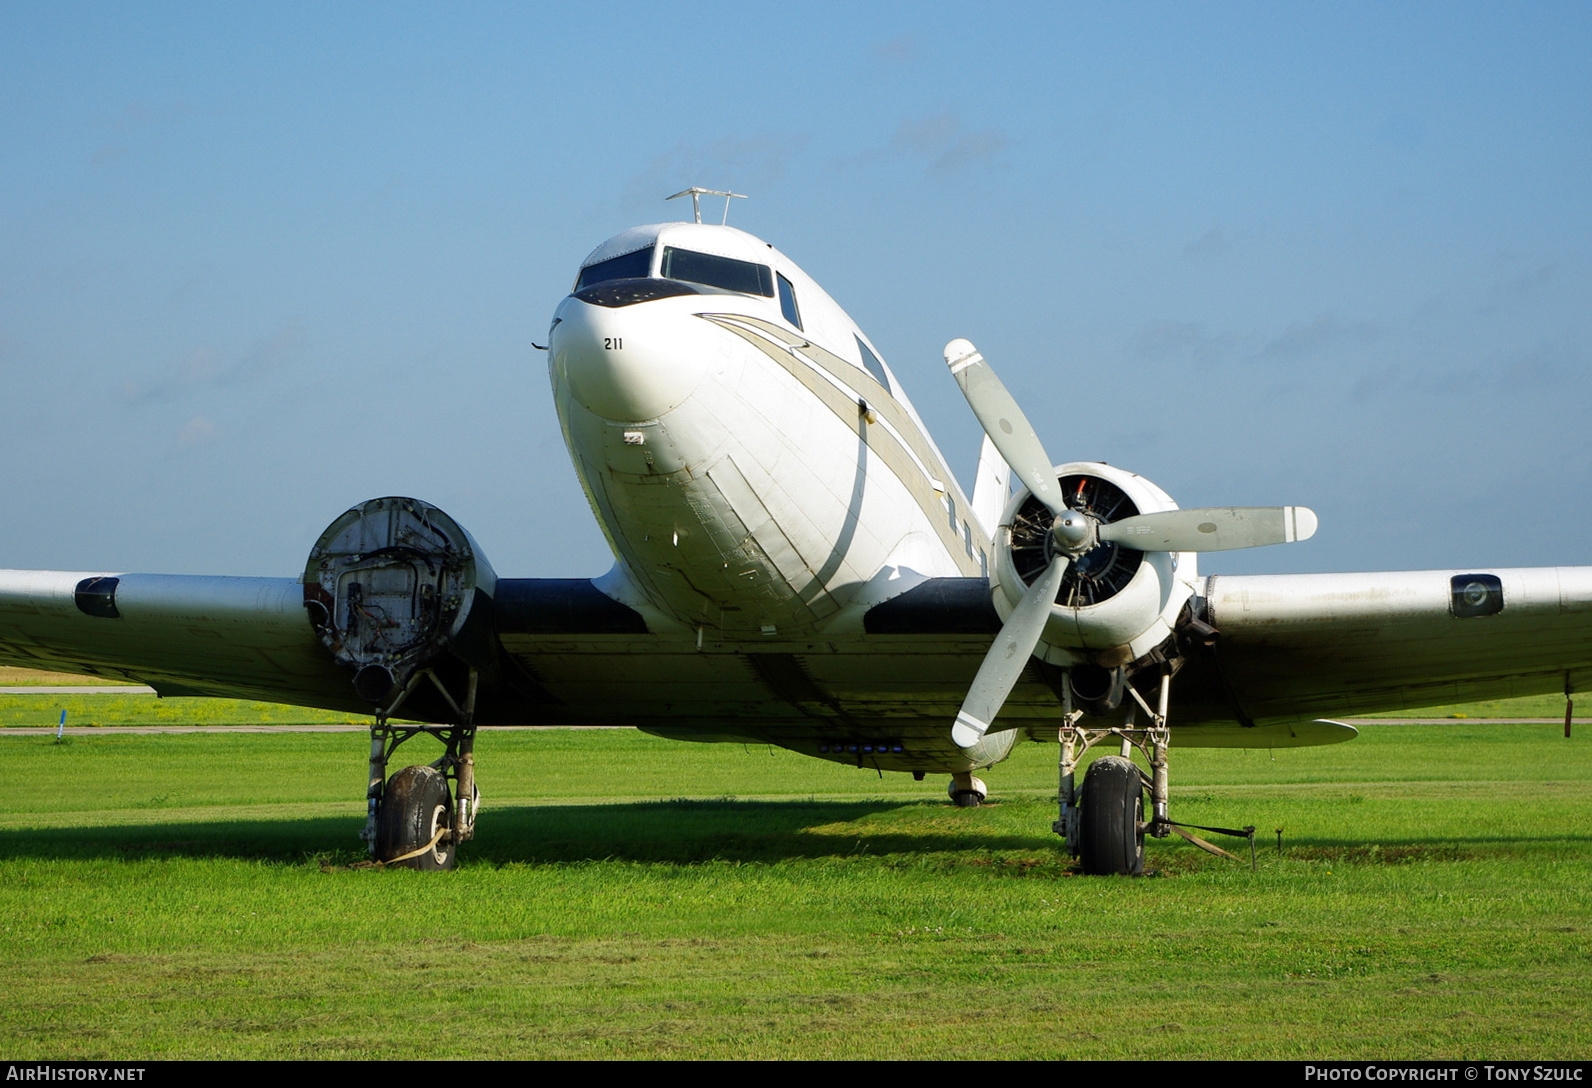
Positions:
{"x": 1111, "y": 842}
{"x": 967, "y": 799}
{"x": 413, "y": 806}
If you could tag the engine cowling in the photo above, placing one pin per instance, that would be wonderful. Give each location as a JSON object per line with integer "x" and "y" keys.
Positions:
{"x": 392, "y": 585}
{"x": 1115, "y": 604}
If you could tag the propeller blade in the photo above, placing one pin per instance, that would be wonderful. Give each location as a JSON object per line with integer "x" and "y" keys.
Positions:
{"x": 1212, "y": 528}
{"x": 1007, "y": 657}
{"x": 1005, "y": 423}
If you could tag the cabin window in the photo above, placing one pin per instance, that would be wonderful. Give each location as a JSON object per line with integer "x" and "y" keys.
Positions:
{"x": 871, "y": 363}
{"x": 787, "y": 302}
{"x": 743, "y": 277}
{"x": 630, "y": 266}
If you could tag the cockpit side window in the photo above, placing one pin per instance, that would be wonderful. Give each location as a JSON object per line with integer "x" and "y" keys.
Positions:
{"x": 787, "y": 302}
{"x": 629, "y": 266}
{"x": 871, "y": 363}
{"x": 743, "y": 277}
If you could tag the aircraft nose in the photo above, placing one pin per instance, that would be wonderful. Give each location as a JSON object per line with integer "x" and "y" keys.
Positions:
{"x": 627, "y": 364}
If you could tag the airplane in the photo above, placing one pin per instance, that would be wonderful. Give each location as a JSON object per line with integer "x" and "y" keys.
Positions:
{"x": 795, "y": 564}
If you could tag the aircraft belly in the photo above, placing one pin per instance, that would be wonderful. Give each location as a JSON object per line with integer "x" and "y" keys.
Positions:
{"x": 805, "y": 696}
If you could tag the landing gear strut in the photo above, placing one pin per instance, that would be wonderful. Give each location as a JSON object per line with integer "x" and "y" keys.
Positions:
{"x": 1106, "y": 831}
{"x": 419, "y": 816}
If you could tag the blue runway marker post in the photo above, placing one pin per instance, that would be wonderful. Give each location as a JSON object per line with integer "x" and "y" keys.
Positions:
{"x": 60, "y": 730}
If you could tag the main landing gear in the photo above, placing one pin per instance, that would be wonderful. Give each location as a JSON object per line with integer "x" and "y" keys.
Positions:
{"x": 1105, "y": 830}
{"x": 1111, "y": 819}
{"x": 419, "y": 816}
{"x": 414, "y": 821}
{"x": 1104, "y": 824}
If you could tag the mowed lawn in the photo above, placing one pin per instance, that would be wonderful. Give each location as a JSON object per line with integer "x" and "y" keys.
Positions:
{"x": 202, "y": 896}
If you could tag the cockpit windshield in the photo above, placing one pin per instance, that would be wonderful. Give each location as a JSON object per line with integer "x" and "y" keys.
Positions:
{"x": 743, "y": 277}
{"x": 685, "y": 265}
{"x": 628, "y": 266}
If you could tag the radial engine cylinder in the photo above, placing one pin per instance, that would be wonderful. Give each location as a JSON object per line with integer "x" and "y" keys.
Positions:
{"x": 1115, "y": 604}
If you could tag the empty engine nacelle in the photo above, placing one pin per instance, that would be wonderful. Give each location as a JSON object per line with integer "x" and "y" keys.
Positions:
{"x": 1115, "y": 604}
{"x": 391, "y": 586}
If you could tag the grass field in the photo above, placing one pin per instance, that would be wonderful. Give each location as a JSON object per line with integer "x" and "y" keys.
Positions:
{"x": 147, "y": 710}
{"x": 40, "y": 711}
{"x": 201, "y": 896}
{"x": 13, "y": 677}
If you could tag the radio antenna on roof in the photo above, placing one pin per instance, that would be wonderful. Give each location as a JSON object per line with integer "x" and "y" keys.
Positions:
{"x": 696, "y": 193}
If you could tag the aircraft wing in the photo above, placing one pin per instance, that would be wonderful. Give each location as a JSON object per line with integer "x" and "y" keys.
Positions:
{"x": 1306, "y": 646}
{"x": 239, "y": 638}
{"x": 1291, "y": 649}
{"x": 548, "y": 651}
{"x": 1293, "y": 652}
{"x": 251, "y": 638}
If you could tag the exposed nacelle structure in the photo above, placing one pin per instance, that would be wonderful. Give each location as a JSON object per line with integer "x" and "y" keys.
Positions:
{"x": 391, "y": 586}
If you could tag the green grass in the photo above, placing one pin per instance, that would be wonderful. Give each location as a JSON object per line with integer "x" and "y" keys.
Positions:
{"x": 43, "y": 710}
{"x": 1529, "y": 706}
{"x": 10, "y": 676}
{"x": 148, "y": 710}
{"x": 200, "y": 896}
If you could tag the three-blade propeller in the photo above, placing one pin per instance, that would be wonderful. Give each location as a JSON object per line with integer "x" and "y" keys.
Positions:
{"x": 1072, "y": 533}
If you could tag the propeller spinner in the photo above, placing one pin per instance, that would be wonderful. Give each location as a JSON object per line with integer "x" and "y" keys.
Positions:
{"x": 1073, "y": 533}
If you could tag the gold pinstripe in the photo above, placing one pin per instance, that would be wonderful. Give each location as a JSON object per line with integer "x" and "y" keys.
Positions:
{"x": 778, "y": 343}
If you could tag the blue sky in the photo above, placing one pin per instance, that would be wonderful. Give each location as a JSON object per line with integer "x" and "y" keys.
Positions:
{"x": 261, "y": 262}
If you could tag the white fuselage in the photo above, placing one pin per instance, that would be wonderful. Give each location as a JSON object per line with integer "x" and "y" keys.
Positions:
{"x": 755, "y": 467}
